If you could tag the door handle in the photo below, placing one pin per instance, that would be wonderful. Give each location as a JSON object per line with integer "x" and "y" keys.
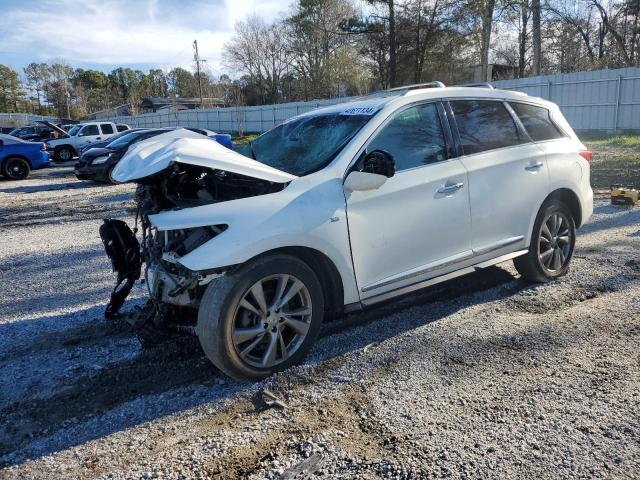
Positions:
{"x": 534, "y": 166}
{"x": 450, "y": 187}
{"x": 98, "y": 138}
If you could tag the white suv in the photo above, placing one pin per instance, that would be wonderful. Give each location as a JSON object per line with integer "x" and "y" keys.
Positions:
{"x": 344, "y": 207}
{"x": 70, "y": 143}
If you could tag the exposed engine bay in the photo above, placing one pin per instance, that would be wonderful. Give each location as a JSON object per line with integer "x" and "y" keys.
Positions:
{"x": 174, "y": 291}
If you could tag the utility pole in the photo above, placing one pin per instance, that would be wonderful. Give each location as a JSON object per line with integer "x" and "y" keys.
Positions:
{"x": 196, "y": 57}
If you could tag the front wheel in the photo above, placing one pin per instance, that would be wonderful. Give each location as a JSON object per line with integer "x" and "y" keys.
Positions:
{"x": 63, "y": 154}
{"x": 16, "y": 168}
{"x": 552, "y": 242}
{"x": 261, "y": 319}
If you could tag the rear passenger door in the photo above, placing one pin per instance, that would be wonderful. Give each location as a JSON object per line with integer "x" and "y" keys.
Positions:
{"x": 107, "y": 130}
{"x": 508, "y": 175}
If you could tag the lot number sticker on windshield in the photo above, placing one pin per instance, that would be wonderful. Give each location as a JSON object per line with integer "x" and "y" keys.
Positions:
{"x": 359, "y": 111}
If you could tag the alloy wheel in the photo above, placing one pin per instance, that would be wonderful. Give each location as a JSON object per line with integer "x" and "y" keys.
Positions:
{"x": 65, "y": 154}
{"x": 271, "y": 320}
{"x": 554, "y": 243}
{"x": 17, "y": 169}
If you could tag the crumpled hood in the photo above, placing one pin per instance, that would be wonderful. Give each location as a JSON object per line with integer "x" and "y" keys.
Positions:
{"x": 157, "y": 153}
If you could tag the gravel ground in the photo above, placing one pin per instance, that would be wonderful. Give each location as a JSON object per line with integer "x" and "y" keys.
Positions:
{"x": 485, "y": 376}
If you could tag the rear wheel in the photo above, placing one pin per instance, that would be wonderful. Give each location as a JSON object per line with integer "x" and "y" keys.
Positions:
{"x": 552, "y": 243}
{"x": 63, "y": 154}
{"x": 16, "y": 168}
{"x": 262, "y": 319}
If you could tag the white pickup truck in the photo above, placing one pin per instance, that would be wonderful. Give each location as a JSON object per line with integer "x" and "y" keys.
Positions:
{"x": 68, "y": 144}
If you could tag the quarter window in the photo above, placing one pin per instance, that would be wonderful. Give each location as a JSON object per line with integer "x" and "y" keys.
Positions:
{"x": 537, "y": 122}
{"x": 414, "y": 137}
{"x": 484, "y": 125}
{"x": 106, "y": 128}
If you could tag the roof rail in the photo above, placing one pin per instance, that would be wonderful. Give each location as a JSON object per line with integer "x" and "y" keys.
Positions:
{"x": 415, "y": 86}
{"x": 478, "y": 84}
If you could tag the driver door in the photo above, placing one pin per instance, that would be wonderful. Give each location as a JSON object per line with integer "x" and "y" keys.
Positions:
{"x": 88, "y": 134}
{"x": 418, "y": 223}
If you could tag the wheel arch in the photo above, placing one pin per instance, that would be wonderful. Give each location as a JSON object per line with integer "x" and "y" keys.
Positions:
{"x": 17, "y": 155}
{"x": 66, "y": 145}
{"x": 570, "y": 199}
{"x": 324, "y": 268}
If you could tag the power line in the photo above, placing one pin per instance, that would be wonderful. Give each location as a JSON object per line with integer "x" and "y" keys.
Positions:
{"x": 197, "y": 59}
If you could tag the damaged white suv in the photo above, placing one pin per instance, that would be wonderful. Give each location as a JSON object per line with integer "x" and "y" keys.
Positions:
{"x": 341, "y": 208}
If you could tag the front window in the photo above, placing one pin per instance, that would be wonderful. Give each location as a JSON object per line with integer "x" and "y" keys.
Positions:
{"x": 74, "y": 131}
{"x": 306, "y": 144}
{"x": 89, "y": 131}
{"x": 413, "y": 137}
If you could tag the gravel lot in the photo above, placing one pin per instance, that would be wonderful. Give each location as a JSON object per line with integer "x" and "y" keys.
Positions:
{"x": 482, "y": 377}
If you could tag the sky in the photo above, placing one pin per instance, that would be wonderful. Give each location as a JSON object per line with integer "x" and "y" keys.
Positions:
{"x": 104, "y": 34}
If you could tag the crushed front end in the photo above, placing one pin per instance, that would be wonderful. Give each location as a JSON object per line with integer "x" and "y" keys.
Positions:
{"x": 145, "y": 251}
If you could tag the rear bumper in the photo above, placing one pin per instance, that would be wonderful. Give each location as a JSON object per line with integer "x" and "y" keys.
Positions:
{"x": 586, "y": 205}
{"x": 41, "y": 161}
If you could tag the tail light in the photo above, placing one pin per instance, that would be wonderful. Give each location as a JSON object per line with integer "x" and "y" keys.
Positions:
{"x": 587, "y": 155}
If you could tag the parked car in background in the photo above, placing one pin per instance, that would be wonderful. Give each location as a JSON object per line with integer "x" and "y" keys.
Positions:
{"x": 345, "y": 207}
{"x": 18, "y": 157}
{"x": 104, "y": 143}
{"x": 68, "y": 144}
{"x": 33, "y": 133}
{"x": 98, "y": 163}
{"x": 222, "y": 138}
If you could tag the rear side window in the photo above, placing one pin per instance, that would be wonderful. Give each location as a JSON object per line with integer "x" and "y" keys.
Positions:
{"x": 90, "y": 130}
{"x": 537, "y": 122}
{"x": 413, "y": 137}
{"x": 106, "y": 128}
{"x": 121, "y": 128}
{"x": 484, "y": 125}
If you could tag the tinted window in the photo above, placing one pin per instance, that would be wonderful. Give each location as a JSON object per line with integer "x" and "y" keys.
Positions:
{"x": 484, "y": 125}
{"x": 537, "y": 122}
{"x": 106, "y": 128}
{"x": 413, "y": 137}
{"x": 90, "y": 130}
{"x": 121, "y": 128}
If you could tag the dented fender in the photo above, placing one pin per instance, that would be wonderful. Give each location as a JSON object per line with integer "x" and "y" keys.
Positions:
{"x": 298, "y": 216}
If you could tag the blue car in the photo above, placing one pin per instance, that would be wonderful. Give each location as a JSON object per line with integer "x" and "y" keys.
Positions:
{"x": 18, "y": 157}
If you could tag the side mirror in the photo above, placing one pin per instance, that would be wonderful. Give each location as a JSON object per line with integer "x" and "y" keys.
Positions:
{"x": 379, "y": 162}
{"x": 377, "y": 166}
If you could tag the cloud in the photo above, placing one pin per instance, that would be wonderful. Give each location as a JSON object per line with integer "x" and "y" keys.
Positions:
{"x": 108, "y": 32}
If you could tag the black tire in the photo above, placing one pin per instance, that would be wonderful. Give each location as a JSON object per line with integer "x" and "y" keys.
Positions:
{"x": 217, "y": 315}
{"x": 110, "y": 178}
{"x": 15, "y": 168}
{"x": 531, "y": 266}
{"x": 63, "y": 154}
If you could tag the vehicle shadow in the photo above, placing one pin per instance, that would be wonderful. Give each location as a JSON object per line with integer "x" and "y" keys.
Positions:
{"x": 77, "y": 185}
{"x": 175, "y": 376}
{"x": 616, "y": 217}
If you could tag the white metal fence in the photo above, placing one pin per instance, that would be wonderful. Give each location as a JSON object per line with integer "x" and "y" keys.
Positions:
{"x": 598, "y": 100}
{"x": 19, "y": 119}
